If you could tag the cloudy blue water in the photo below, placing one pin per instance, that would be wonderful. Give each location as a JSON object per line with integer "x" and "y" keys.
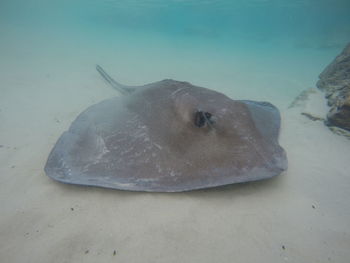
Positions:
{"x": 257, "y": 49}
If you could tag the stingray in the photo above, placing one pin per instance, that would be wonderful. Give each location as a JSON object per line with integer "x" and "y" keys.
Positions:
{"x": 168, "y": 136}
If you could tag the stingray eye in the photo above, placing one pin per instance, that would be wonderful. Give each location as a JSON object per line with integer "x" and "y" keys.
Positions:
{"x": 201, "y": 118}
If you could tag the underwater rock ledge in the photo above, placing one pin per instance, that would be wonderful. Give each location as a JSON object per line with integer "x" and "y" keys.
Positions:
{"x": 335, "y": 81}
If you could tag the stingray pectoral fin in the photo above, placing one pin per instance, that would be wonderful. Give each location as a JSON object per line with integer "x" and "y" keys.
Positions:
{"x": 266, "y": 117}
{"x": 57, "y": 166}
{"x": 267, "y": 120}
{"x": 123, "y": 89}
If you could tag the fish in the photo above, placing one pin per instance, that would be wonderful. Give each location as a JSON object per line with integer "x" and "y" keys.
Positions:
{"x": 168, "y": 136}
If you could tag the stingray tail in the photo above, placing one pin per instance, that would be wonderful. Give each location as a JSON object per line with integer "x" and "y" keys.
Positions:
{"x": 124, "y": 90}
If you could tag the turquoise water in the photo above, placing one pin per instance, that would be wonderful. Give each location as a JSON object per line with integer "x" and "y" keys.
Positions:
{"x": 254, "y": 49}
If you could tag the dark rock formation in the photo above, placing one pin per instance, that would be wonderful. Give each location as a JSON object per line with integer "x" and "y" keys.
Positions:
{"x": 335, "y": 81}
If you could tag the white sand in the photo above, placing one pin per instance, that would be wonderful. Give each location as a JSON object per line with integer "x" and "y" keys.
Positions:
{"x": 306, "y": 211}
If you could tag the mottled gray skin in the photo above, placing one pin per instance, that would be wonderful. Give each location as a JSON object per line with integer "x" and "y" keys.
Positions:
{"x": 147, "y": 140}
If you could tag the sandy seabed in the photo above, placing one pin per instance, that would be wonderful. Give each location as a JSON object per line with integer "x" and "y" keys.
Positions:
{"x": 302, "y": 215}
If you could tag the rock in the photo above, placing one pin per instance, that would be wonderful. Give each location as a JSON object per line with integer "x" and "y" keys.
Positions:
{"x": 335, "y": 82}
{"x": 340, "y": 131}
{"x": 340, "y": 116}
